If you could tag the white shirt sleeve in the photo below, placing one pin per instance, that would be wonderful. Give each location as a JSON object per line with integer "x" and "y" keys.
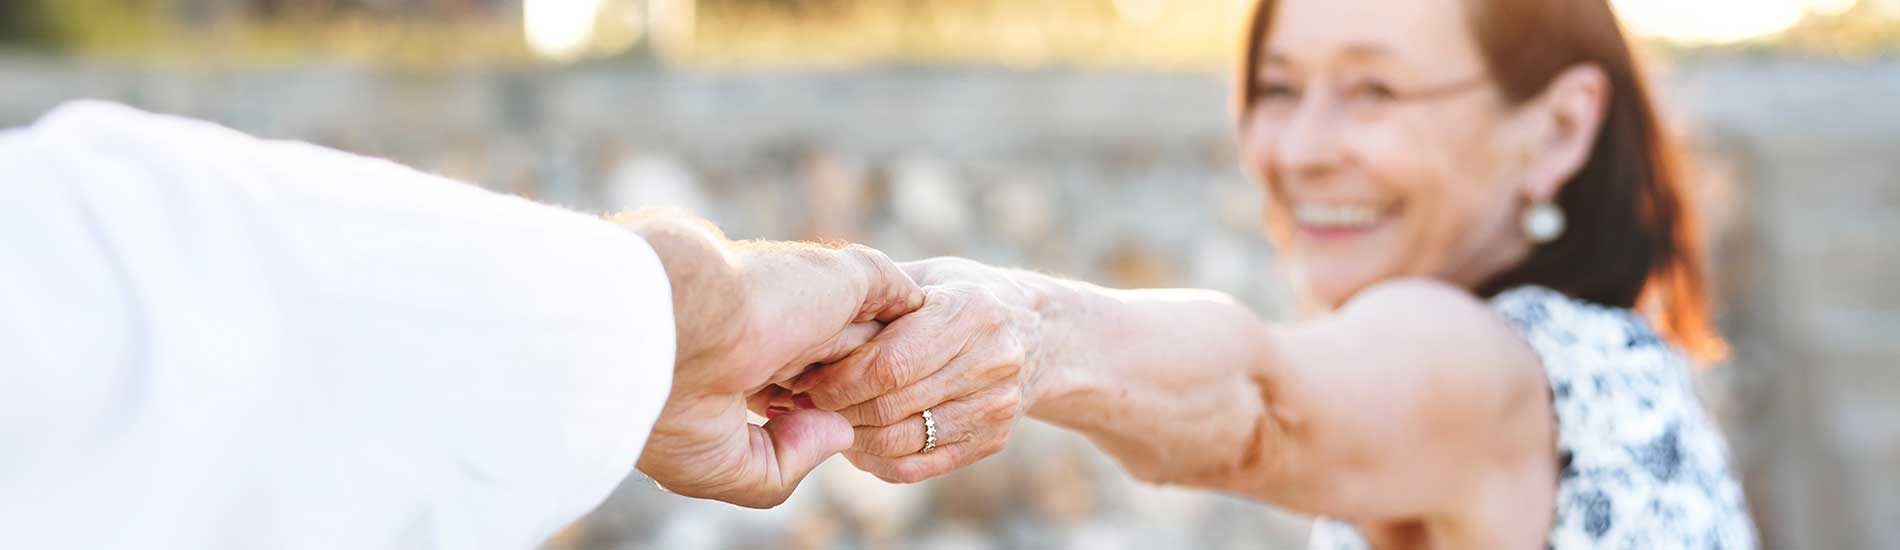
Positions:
{"x": 213, "y": 341}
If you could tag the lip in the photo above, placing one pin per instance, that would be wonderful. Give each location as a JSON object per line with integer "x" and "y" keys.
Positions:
{"x": 1331, "y": 234}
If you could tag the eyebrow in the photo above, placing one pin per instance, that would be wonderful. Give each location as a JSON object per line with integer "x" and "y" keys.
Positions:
{"x": 1367, "y": 50}
{"x": 1357, "y": 51}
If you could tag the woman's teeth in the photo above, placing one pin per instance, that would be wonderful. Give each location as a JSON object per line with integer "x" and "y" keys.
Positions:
{"x": 1336, "y": 217}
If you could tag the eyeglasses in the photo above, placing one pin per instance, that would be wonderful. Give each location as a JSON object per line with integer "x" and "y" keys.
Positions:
{"x": 1355, "y": 100}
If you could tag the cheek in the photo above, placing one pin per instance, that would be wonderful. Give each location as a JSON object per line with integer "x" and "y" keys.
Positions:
{"x": 1457, "y": 199}
{"x": 1255, "y": 158}
{"x": 1437, "y": 232}
{"x": 1440, "y": 201}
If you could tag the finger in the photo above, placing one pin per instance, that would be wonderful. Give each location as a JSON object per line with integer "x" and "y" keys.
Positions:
{"x": 795, "y": 443}
{"x": 965, "y": 375}
{"x": 921, "y": 466}
{"x": 891, "y": 293}
{"x": 907, "y": 436}
{"x": 853, "y": 336}
{"x": 979, "y": 426}
{"x": 910, "y": 349}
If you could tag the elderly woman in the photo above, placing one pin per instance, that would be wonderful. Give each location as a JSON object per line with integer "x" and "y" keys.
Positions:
{"x": 1479, "y": 196}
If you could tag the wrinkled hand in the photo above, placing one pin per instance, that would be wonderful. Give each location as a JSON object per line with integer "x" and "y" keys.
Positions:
{"x": 800, "y": 305}
{"x": 963, "y": 355}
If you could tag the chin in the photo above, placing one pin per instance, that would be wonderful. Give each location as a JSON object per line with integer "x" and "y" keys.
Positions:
{"x": 1332, "y": 285}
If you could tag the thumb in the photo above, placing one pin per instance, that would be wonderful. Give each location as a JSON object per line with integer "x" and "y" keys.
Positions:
{"x": 891, "y": 293}
{"x": 801, "y": 440}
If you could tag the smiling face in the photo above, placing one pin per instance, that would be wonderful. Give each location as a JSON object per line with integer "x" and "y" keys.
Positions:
{"x": 1384, "y": 147}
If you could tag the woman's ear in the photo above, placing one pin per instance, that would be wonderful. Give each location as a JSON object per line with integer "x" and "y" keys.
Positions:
{"x": 1572, "y": 109}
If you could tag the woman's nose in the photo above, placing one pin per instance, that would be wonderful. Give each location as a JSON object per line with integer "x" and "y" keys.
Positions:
{"x": 1309, "y": 142}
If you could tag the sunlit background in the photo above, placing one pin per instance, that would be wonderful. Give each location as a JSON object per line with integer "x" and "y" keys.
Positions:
{"x": 802, "y": 33}
{"x": 1084, "y": 137}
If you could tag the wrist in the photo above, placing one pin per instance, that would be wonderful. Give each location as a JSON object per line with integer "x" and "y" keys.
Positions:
{"x": 1046, "y": 304}
{"x": 1067, "y": 356}
{"x": 707, "y": 290}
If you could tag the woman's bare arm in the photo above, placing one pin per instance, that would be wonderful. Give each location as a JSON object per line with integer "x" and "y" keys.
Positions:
{"x": 1410, "y": 398}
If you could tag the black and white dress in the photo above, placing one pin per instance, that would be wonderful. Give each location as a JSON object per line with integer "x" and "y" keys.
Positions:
{"x": 1641, "y": 464}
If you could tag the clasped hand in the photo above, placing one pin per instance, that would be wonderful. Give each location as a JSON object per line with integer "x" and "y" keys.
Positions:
{"x": 840, "y": 349}
{"x": 964, "y": 355}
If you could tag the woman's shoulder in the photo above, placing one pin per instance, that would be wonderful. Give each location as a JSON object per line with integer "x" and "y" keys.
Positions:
{"x": 1418, "y": 297}
{"x": 1445, "y": 334}
{"x": 1438, "y": 311}
{"x": 1428, "y": 311}
{"x": 1560, "y": 327}
{"x": 1522, "y": 325}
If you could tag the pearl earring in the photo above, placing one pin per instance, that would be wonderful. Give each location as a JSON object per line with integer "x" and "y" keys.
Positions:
{"x": 1543, "y": 222}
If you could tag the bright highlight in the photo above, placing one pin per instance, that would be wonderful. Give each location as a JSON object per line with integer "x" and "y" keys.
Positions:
{"x": 1719, "y": 21}
{"x": 559, "y": 29}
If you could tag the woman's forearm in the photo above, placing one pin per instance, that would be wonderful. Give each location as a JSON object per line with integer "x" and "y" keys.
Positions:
{"x": 1170, "y": 382}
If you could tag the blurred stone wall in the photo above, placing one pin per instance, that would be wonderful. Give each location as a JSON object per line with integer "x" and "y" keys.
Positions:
{"x": 1811, "y": 269}
{"x": 1125, "y": 179}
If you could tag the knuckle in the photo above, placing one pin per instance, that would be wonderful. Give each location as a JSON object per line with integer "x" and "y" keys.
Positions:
{"x": 877, "y": 258}
{"x": 857, "y": 415}
{"x": 1003, "y": 409}
{"x": 989, "y": 310}
{"x": 1012, "y": 401}
{"x": 828, "y": 398}
{"x": 861, "y": 250}
{"x": 858, "y": 254}
{"x": 879, "y": 267}
{"x": 886, "y": 375}
{"x": 1006, "y": 369}
{"x": 885, "y": 411}
{"x": 1016, "y": 351}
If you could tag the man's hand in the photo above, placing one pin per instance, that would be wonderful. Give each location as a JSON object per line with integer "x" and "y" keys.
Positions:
{"x": 748, "y": 315}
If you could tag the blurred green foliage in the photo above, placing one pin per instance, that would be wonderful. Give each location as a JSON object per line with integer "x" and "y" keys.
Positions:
{"x": 77, "y": 24}
{"x": 24, "y": 22}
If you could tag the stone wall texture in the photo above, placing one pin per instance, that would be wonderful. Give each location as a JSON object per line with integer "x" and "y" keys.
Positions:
{"x": 1126, "y": 179}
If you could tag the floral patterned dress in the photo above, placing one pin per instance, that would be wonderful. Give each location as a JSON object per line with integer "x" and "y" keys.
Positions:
{"x": 1641, "y": 464}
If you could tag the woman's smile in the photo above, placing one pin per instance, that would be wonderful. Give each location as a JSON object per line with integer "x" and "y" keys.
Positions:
{"x": 1324, "y": 222}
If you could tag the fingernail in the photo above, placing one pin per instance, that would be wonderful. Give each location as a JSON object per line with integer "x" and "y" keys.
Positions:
{"x": 804, "y": 401}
